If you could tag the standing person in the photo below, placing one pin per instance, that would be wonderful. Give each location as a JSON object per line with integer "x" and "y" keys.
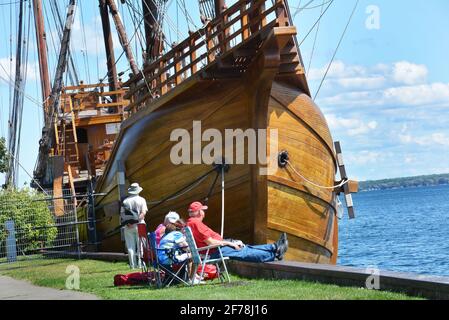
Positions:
{"x": 205, "y": 236}
{"x": 133, "y": 212}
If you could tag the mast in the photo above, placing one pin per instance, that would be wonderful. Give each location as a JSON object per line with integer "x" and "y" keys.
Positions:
{"x": 219, "y": 7}
{"x": 152, "y": 30}
{"x": 122, "y": 36}
{"x": 16, "y": 115}
{"x": 62, "y": 59}
{"x": 109, "y": 45}
{"x": 42, "y": 53}
{"x": 48, "y": 132}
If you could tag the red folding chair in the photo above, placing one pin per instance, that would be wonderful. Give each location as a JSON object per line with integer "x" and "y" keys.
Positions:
{"x": 144, "y": 251}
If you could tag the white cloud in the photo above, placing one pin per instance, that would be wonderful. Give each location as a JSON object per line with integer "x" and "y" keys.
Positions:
{"x": 8, "y": 74}
{"x": 409, "y": 73}
{"x": 353, "y": 126}
{"x": 372, "y": 82}
{"x": 364, "y": 157}
{"x": 380, "y": 76}
{"x": 438, "y": 139}
{"x": 408, "y": 159}
{"x": 338, "y": 70}
{"x": 419, "y": 94}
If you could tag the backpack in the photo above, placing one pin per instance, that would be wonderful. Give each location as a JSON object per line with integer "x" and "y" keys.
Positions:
{"x": 135, "y": 279}
{"x": 210, "y": 272}
{"x": 127, "y": 215}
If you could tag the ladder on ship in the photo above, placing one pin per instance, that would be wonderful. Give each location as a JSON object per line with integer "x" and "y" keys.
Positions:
{"x": 67, "y": 139}
{"x": 67, "y": 143}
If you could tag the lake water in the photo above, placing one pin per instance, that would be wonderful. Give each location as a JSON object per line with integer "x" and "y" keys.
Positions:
{"x": 403, "y": 230}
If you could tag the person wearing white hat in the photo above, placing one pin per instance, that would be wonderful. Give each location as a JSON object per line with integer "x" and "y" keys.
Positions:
{"x": 133, "y": 212}
{"x": 171, "y": 217}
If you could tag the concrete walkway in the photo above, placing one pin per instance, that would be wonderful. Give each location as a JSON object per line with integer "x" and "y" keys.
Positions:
{"x": 11, "y": 289}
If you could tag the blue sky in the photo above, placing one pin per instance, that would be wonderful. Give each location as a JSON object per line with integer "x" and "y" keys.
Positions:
{"x": 386, "y": 97}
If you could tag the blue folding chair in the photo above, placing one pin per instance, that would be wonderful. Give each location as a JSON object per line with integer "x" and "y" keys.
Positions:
{"x": 200, "y": 258}
{"x": 167, "y": 275}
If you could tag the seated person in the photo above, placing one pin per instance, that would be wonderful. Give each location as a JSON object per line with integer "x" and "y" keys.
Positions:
{"x": 204, "y": 236}
{"x": 171, "y": 217}
{"x": 173, "y": 247}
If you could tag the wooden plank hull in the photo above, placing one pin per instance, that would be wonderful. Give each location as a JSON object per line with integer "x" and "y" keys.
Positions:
{"x": 258, "y": 208}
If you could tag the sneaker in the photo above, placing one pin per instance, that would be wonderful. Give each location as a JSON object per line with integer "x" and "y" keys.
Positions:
{"x": 282, "y": 247}
{"x": 198, "y": 281}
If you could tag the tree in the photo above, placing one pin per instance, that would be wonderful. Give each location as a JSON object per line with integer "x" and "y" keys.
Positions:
{"x": 3, "y": 156}
{"x": 33, "y": 221}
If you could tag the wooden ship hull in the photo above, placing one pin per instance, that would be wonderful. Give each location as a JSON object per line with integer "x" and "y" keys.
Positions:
{"x": 256, "y": 83}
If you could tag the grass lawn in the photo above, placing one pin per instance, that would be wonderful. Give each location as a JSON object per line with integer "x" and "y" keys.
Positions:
{"x": 97, "y": 278}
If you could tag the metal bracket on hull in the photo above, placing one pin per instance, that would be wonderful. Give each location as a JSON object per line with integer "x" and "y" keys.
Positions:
{"x": 283, "y": 159}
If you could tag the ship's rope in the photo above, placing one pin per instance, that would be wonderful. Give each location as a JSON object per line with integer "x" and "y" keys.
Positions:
{"x": 186, "y": 189}
{"x": 206, "y": 9}
{"x": 314, "y": 40}
{"x": 336, "y": 49}
{"x": 84, "y": 51}
{"x": 57, "y": 18}
{"x": 313, "y": 183}
{"x": 316, "y": 23}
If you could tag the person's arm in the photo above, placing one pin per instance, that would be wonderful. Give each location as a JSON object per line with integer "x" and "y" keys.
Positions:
{"x": 144, "y": 210}
{"x": 222, "y": 243}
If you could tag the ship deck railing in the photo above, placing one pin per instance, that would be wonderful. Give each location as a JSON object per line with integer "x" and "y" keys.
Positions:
{"x": 92, "y": 100}
{"x": 216, "y": 44}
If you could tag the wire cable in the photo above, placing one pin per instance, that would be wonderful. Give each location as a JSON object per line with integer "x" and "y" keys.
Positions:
{"x": 336, "y": 50}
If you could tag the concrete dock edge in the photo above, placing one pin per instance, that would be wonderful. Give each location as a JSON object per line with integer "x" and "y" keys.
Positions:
{"x": 429, "y": 287}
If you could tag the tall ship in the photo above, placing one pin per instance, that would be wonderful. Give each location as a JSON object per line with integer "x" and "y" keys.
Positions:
{"x": 239, "y": 77}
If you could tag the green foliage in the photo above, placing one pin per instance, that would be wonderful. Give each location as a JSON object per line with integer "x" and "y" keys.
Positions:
{"x": 32, "y": 219}
{"x": 3, "y": 156}
{"x": 420, "y": 181}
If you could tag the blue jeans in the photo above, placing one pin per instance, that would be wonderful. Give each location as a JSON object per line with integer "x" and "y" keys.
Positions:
{"x": 262, "y": 253}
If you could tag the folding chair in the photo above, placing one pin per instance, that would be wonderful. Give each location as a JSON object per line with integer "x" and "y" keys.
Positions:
{"x": 166, "y": 275}
{"x": 143, "y": 247}
{"x": 200, "y": 259}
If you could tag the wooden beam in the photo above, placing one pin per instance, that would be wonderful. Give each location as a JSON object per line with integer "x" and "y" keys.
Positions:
{"x": 109, "y": 46}
{"x": 58, "y": 177}
{"x": 123, "y": 36}
{"x": 42, "y": 53}
{"x": 344, "y": 176}
{"x": 121, "y": 180}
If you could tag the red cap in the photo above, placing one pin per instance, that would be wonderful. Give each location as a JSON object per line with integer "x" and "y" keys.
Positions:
{"x": 197, "y": 206}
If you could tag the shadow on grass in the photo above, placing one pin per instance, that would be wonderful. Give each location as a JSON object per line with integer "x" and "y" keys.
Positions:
{"x": 19, "y": 265}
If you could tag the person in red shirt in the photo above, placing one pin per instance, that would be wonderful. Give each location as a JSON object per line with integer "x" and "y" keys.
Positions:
{"x": 205, "y": 236}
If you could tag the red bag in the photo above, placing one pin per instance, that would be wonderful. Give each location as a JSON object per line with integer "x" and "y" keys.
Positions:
{"x": 210, "y": 272}
{"x": 134, "y": 279}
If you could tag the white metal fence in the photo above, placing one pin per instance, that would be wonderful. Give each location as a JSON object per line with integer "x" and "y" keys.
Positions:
{"x": 44, "y": 227}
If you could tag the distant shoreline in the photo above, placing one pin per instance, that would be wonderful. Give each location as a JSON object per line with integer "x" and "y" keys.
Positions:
{"x": 403, "y": 183}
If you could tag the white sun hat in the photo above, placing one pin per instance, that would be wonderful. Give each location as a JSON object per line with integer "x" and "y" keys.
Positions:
{"x": 172, "y": 217}
{"x": 135, "y": 189}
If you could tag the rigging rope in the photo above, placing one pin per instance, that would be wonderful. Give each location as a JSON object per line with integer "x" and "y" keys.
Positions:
{"x": 314, "y": 41}
{"x": 84, "y": 51}
{"x": 336, "y": 50}
{"x": 312, "y": 183}
{"x": 316, "y": 23}
{"x": 184, "y": 190}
